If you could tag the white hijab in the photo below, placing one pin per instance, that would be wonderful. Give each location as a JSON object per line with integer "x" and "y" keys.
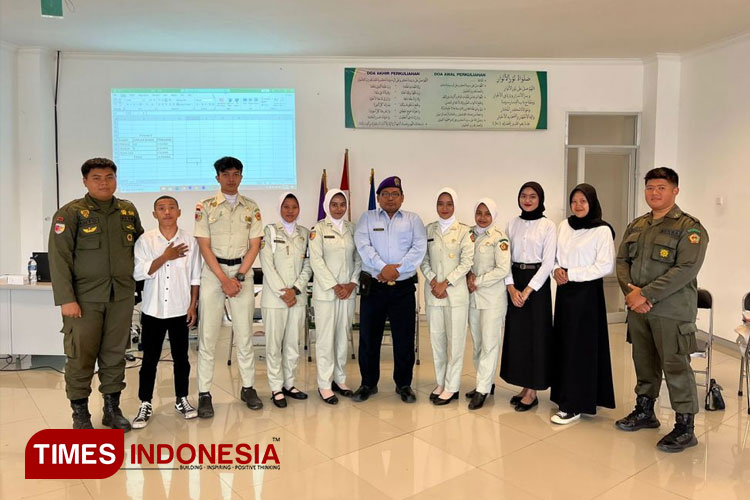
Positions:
{"x": 446, "y": 223}
{"x": 492, "y": 207}
{"x": 337, "y": 223}
{"x": 289, "y": 227}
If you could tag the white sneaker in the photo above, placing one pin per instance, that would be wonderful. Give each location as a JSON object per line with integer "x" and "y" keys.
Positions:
{"x": 184, "y": 407}
{"x": 564, "y": 418}
{"x": 144, "y": 414}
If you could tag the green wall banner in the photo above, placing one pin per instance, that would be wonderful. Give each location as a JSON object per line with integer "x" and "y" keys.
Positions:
{"x": 445, "y": 99}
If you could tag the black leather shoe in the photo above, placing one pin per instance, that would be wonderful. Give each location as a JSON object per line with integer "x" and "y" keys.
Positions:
{"x": 407, "y": 394}
{"x": 281, "y": 403}
{"x": 471, "y": 393}
{"x": 347, "y": 393}
{"x": 442, "y": 402}
{"x": 205, "y": 408}
{"x": 515, "y": 400}
{"x": 81, "y": 415}
{"x": 331, "y": 400}
{"x": 642, "y": 417}
{"x": 434, "y": 396}
{"x": 477, "y": 401}
{"x": 521, "y": 406}
{"x": 250, "y": 397}
{"x": 682, "y": 436}
{"x": 363, "y": 393}
{"x": 112, "y": 414}
{"x": 294, "y": 395}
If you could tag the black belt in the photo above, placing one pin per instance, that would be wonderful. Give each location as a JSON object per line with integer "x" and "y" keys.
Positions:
{"x": 522, "y": 266}
{"x": 393, "y": 284}
{"x": 229, "y": 262}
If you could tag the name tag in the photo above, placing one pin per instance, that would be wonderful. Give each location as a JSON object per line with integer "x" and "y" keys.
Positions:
{"x": 378, "y": 229}
{"x": 329, "y": 236}
{"x": 430, "y": 239}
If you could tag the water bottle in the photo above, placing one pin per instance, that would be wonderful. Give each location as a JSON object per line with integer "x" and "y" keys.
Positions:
{"x": 32, "y": 271}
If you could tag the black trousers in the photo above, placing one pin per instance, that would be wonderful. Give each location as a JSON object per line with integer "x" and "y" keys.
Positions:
{"x": 397, "y": 304}
{"x": 153, "y": 332}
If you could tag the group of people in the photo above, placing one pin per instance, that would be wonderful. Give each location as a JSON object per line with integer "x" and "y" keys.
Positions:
{"x": 477, "y": 276}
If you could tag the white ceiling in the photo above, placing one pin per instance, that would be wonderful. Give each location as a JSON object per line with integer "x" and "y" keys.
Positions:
{"x": 388, "y": 28}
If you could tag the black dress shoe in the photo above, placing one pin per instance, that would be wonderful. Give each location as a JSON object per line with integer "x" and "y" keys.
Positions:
{"x": 434, "y": 396}
{"x": 442, "y": 402}
{"x": 250, "y": 397}
{"x": 281, "y": 403}
{"x": 521, "y": 406}
{"x": 347, "y": 393}
{"x": 471, "y": 393}
{"x": 515, "y": 400}
{"x": 294, "y": 395}
{"x": 205, "y": 408}
{"x": 477, "y": 401}
{"x": 331, "y": 400}
{"x": 407, "y": 394}
{"x": 363, "y": 393}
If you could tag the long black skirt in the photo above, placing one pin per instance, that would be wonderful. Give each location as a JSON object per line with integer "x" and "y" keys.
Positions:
{"x": 582, "y": 367}
{"x": 527, "y": 347}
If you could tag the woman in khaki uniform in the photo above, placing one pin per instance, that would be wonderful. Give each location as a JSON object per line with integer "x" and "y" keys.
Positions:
{"x": 286, "y": 271}
{"x": 450, "y": 254}
{"x": 336, "y": 266}
{"x": 488, "y": 301}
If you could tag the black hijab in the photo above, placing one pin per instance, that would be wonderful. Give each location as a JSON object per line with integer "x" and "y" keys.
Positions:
{"x": 594, "y": 217}
{"x": 538, "y": 212}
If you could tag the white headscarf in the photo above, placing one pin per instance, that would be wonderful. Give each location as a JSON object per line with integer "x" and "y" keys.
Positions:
{"x": 492, "y": 207}
{"x": 337, "y": 223}
{"x": 446, "y": 223}
{"x": 289, "y": 227}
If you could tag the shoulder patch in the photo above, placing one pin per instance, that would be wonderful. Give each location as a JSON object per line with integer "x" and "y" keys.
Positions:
{"x": 504, "y": 245}
{"x": 312, "y": 235}
{"x": 694, "y": 238}
{"x": 59, "y": 227}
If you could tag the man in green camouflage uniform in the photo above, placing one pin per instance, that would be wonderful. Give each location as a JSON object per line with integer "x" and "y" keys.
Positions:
{"x": 91, "y": 262}
{"x": 657, "y": 264}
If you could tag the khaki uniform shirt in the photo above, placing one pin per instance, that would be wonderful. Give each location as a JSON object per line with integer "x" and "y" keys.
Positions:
{"x": 663, "y": 257}
{"x": 230, "y": 229}
{"x": 91, "y": 250}
{"x": 285, "y": 264}
{"x": 491, "y": 266}
{"x": 334, "y": 259}
{"x": 450, "y": 256}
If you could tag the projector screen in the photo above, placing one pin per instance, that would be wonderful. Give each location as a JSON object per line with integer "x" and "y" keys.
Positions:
{"x": 169, "y": 139}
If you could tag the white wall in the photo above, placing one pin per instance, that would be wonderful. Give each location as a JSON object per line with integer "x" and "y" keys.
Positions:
{"x": 10, "y": 253}
{"x": 475, "y": 163}
{"x": 714, "y": 160}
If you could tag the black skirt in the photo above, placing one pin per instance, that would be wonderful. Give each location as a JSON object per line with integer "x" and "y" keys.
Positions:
{"x": 582, "y": 368}
{"x": 527, "y": 347}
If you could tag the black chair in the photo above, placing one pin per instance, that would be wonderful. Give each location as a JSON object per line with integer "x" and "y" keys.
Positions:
{"x": 705, "y": 347}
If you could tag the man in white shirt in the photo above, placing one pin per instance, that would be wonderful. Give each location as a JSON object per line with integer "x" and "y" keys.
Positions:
{"x": 169, "y": 261}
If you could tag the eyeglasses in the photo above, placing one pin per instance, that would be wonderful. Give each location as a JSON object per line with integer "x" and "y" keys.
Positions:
{"x": 389, "y": 194}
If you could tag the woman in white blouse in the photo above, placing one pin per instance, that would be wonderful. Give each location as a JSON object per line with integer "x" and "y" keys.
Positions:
{"x": 336, "y": 266}
{"x": 585, "y": 255}
{"x": 450, "y": 254}
{"x": 527, "y": 349}
{"x": 488, "y": 300}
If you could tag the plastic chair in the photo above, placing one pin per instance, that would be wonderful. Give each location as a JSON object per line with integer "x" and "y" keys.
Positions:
{"x": 705, "y": 347}
{"x": 743, "y": 343}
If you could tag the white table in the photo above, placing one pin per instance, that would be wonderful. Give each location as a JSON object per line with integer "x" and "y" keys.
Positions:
{"x": 30, "y": 322}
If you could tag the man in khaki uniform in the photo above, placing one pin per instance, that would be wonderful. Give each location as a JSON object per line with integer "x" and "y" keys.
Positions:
{"x": 657, "y": 264}
{"x": 91, "y": 263}
{"x": 449, "y": 257}
{"x": 228, "y": 228}
{"x": 286, "y": 271}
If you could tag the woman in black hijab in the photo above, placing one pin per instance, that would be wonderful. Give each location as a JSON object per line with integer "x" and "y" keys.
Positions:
{"x": 585, "y": 255}
{"x": 527, "y": 348}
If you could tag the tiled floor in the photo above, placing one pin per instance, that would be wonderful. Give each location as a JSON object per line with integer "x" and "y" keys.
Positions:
{"x": 384, "y": 448}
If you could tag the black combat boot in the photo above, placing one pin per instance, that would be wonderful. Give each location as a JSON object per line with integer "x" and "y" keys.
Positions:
{"x": 112, "y": 414}
{"x": 642, "y": 417}
{"x": 682, "y": 436}
{"x": 81, "y": 415}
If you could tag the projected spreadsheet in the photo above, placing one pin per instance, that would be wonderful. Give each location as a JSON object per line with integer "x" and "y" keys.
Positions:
{"x": 169, "y": 139}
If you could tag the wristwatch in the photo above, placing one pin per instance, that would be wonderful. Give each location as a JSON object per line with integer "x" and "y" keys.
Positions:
{"x": 296, "y": 290}
{"x": 240, "y": 277}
